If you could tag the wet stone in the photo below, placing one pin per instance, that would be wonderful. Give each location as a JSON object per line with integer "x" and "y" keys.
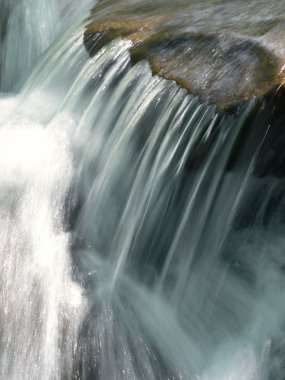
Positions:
{"x": 224, "y": 68}
{"x": 221, "y": 70}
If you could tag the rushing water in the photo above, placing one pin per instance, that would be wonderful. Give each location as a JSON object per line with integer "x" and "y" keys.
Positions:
{"x": 142, "y": 232}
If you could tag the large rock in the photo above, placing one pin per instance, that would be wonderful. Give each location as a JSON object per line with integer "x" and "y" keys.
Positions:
{"x": 222, "y": 70}
{"x": 211, "y": 48}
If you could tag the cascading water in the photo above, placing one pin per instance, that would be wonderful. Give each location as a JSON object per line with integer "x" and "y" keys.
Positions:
{"x": 140, "y": 238}
{"x": 28, "y": 27}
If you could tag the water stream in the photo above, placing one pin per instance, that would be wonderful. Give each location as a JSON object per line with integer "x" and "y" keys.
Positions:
{"x": 142, "y": 231}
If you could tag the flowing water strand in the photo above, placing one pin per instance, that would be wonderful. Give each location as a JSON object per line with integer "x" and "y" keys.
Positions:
{"x": 125, "y": 238}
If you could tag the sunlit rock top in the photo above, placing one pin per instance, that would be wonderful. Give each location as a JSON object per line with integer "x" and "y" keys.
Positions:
{"x": 223, "y": 51}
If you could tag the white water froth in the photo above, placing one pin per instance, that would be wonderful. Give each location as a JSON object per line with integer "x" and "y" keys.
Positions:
{"x": 40, "y": 305}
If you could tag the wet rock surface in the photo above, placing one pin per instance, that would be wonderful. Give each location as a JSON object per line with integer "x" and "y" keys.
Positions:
{"x": 221, "y": 70}
{"x": 222, "y": 52}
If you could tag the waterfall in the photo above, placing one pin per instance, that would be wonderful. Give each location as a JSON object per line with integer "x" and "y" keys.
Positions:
{"x": 28, "y": 28}
{"x": 142, "y": 230}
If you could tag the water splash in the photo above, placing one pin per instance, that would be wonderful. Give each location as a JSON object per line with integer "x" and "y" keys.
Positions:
{"x": 40, "y": 304}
